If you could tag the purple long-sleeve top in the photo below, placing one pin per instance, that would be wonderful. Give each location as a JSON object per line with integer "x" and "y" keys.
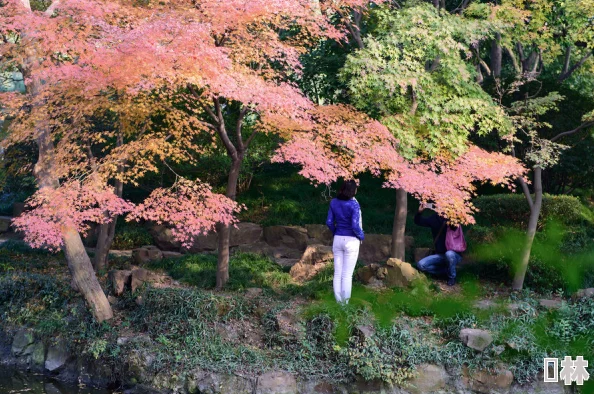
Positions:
{"x": 344, "y": 218}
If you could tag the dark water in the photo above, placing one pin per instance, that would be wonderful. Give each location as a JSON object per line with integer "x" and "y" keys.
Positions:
{"x": 13, "y": 382}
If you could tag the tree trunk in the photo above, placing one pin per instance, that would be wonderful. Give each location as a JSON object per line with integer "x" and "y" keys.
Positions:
{"x": 106, "y": 236}
{"x": 520, "y": 272}
{"x": 224, "y": 231}
{"x": 398, "y": 239}
{"x": 79, "y": 264}
{"x": 83, "y": 276}
{"x": 496, "y": 56}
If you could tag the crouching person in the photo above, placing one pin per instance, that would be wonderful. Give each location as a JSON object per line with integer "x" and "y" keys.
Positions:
{"x": 448, "y": 244}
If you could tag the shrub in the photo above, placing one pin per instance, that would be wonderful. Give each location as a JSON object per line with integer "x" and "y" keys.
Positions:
{"x": 512, "y": 209}
{"x": 373, "y": 359}
{"x": 27, "y": 298}
{"x": 131, "y": 237}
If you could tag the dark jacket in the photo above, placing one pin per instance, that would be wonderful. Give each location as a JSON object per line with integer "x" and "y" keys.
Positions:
{"x": 344, "y": 218}
{"x": 436, "y": 224}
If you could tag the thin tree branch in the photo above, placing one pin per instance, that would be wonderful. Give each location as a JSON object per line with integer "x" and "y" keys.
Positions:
{"x": 249, "y": 140}
{"x": 485, "y": 66}
{"x": 434, "y": 64}
{"x": 353, "y": 29}
{"x": 222, "y": 131}
{"x": 515, "y": 63}
{"x": 415, "y": 102}
{"x": 523, "y": 184}
{"x": 238, "y": 127}
{"x": 461, "y": 7}
{"x": 567, "y": 60}
{"x": 526, "y": 191}
{"x": 566, "y": 133}
{"x": 520, "y": 49}
{"x": 583, "y": 60}
{"x": 208, "y": 110}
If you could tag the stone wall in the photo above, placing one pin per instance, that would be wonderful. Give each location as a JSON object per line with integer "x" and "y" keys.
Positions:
{"x": 22, "y": 349}
{"x": 285, "y": 244}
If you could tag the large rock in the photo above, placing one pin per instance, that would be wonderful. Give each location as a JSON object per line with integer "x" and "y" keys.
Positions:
{"x": 320, "y": 387}
{"x": 378, "y": 247}
{"x": 292, "y": 237}
{"x": 37, "y": 354}
{"x": 57, "y": 356}
{"x": 18, "y": 208}
{"x": 119, "y": 280}
{"x": 584, "y": 293}
{"x": 367, "y": 274}
{"x": 5, "y": 222}
{"x": 204, "y": 243}
{"x": 397, "y": 273}
{"x": 429, "y": 378}
{"x": 163, "y": 238}
{"x": 204, "y": 382}
{"x": 421, "y": 253}
{"x": 289, "y": 325}
{"x": 21, "y": 342}
{"x": 245, "y": 234}
{"x": 171, "y": 255}
{"x": 364, "y": 331}
{"x": 539, "y": 386}
{"x": 550, "y": 304}
{"x": 242, "y": 234}
{"x": 146, "y": 254}
{"x": 282, "y": 255}
{"x": 277, "y": 383}
{"x": 488, "y": 382}
{"x": 138, "y": 362}
{"x": 314, "y": 259}
{"x": 139, "y": 276}
{"x": 319, "y": 234}
{"x": 476, "y": 339}
{"x": 375, "y": 248}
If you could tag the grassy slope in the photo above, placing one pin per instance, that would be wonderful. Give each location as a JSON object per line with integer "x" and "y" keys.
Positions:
{"x": 185, "y": 322}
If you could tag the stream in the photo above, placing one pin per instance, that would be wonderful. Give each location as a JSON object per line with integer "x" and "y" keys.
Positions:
{"x": 13, "y": 381}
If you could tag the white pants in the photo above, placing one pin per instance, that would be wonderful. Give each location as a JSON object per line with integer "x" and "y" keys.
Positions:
{"x": 346, "y": 252}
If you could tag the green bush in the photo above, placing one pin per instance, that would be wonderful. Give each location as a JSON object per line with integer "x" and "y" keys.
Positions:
{"x": 512, "y": 209}
{"x": 131, "y": 237}
{"x": 33, "y": 299}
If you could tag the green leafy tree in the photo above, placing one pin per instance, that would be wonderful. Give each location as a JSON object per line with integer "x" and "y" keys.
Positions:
{"x": 413, "y": 75}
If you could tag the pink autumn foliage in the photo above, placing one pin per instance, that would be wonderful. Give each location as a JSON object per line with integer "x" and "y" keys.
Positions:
{"x": 72, "y": 204}
{"x": 451, "y": 184}
{"x": 342, "y": 143}
{"x": 189, "y": 208}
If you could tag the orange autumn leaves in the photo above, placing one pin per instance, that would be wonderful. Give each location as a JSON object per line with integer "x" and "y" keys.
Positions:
{"x": 131, "y": 66}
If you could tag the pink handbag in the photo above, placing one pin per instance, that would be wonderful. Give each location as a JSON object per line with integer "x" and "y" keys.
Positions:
{"x": 455, "y": 240}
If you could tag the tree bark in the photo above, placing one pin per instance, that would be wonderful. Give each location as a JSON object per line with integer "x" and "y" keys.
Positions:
{"x": 224, "y": 231}
{"x": 79, "y": 264}
{"x": 106, "y": 236}
{"x": 496, "y": 56}
{"x": 399, "y": 228}
{"x": 83, "y": 275}
{"x": 535, "y": 208}
{"x": 107, "y": 230}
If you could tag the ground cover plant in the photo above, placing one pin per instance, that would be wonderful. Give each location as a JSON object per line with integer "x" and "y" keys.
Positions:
{"x": 190, "y": 326}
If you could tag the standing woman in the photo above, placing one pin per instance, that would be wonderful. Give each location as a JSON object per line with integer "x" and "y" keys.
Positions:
{"x": 344, "y": 220}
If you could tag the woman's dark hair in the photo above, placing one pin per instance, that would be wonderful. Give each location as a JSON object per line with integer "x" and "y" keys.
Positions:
{"x": 347, "y": 190}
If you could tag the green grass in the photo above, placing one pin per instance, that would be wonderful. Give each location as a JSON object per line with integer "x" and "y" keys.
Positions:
{"x": 245, "y": 270}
